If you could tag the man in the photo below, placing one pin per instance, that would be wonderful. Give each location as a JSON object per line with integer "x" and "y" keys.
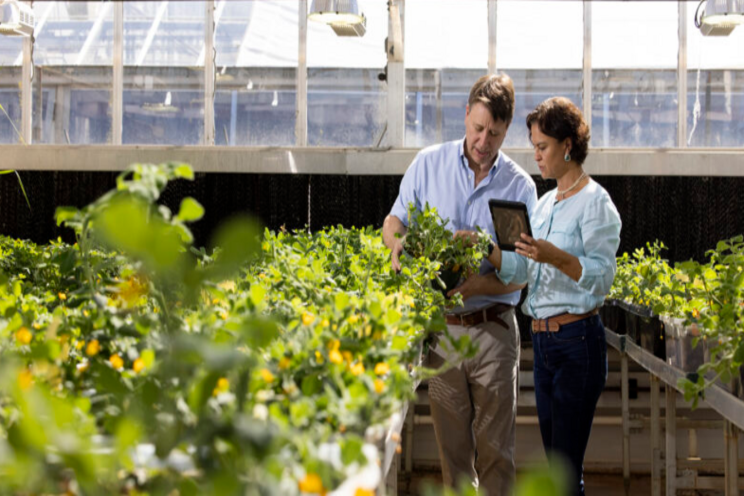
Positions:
{"x": 473, "y": 404}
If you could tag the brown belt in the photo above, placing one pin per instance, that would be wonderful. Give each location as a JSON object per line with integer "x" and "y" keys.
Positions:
{"x": 553, "y": 324}
{"x": 490, "y": 314}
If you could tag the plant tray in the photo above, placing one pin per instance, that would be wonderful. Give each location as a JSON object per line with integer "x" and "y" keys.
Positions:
{"x": 612, "y": 317}
{"x": 644, "y": 328}
{"x": 680, "y": 351}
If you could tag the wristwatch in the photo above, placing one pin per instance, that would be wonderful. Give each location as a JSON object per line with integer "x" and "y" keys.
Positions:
{"x": 490, "y": 249}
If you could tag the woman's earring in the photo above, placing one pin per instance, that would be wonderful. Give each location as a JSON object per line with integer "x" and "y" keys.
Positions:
{"x": 567, "y": 157}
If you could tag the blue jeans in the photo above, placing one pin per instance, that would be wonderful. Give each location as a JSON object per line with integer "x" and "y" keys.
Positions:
{"x": 570, "y": 372}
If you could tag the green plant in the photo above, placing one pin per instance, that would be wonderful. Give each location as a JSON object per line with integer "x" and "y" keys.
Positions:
{"x": 428, "y": 238}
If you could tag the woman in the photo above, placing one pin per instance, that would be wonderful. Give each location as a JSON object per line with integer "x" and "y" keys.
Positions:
{"x": 569, "y": 266}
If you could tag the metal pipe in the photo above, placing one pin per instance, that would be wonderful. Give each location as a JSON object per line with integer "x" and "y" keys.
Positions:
{"x": 671, "y": 441}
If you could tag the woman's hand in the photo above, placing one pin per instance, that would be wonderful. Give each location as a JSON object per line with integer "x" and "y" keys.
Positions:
{"x": 538, "y": 250}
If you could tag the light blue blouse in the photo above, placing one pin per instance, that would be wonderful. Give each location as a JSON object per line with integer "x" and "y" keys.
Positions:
{"x": 585, "y": 225}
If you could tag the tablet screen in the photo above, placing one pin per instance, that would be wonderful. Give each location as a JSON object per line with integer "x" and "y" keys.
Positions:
{"x": 510, "y": 220}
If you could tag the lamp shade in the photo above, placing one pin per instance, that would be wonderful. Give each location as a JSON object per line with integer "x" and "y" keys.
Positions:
{"x": 336, "y": 12}
{"x": 721, "y": 17}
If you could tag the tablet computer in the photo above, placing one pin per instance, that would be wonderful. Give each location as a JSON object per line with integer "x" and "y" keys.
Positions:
{"x": 510, "y": 220}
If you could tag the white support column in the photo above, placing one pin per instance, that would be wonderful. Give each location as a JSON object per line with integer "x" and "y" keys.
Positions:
{"x": 218, "y": 9}
{"x": 655, "y": 437}
{"x": 396, "y": 75}
{"x": 626, "y": 420}
{"x": 209, "y": 74}
{"x": 492, "y": 17}
{"x": 671, "y": 441}
{"x": 682, "y": 76}
{"x": 587, "y": 76}
{"x": 27, "y": 81}
{"x": 731, "y": 459}
{"x": 117, "y": 89}
{"x": 301, "y": 100}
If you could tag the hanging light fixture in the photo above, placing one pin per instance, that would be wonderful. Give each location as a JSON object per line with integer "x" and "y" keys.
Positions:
{"x": 343, "y": 16}
{"x": 719, "y": 17}
{"x": 16, "y": 18}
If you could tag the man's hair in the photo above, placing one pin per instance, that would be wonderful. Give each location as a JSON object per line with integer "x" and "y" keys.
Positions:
{"x": 496, "y": 92}
{"x": 559, "y": 118}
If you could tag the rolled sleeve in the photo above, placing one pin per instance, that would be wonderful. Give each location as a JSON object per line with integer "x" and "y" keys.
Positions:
{"x": 513, "y": 268}
{"x": 601, "y": 234}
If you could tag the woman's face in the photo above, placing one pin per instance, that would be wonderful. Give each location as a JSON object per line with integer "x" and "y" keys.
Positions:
{"x": 549, "y": 153}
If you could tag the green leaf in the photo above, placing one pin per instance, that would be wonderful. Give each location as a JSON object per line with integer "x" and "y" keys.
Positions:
{"x": 184, "y": 171}
{"x": 64, "y": 214}
{"x": 341, "y": 301}
{"x": 311, "y": 385}
{"x": 148, "y": 356}
{"x": 190, "y": 211}
{"x": 351, "y": 451}
{"x": 257, "y": 294}
{"x": 238, "y": 241}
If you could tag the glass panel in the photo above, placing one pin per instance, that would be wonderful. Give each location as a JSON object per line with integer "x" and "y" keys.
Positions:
{"x": 163, "y": 73}
{"x": 347, "y": 103}
{"x": 11, "y": 50}
{"x": 540, "y": 35}
{"x": 713, "y": 52}
{"x": 256, "y": 106}
{"x": 720, "y": 100}
{"x": 10, "y": 99}
{"x": 346, "y": 107}
{"x": 72, "y": 105}
{"x": 164, "y": 33}
{"x": 634, "y": 108}
{"x": 73, "y": 56}
{"x": 634, "y": 35}
{"x": 163, "y": 105}
{"x": 435, "y": 34}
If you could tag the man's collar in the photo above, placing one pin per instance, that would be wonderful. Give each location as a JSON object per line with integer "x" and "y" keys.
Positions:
{"x": 464, "y": 159}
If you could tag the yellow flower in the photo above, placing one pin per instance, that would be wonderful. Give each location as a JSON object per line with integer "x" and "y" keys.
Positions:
{"x": 335, "y": 356}
{"x": 318, "y": 357}
{"x": 25, "y": 379}
{"x": 24, "y": 336}
{"x": 325, "y": 323}
{"x": 223, "y": 315}
{"x": 116, "y": 362}
{"x": 266, "y": 375}
{"x": 138, "y": 365}
{"x": 62, "y": 296}
{"x": 357, "y": 368}
{"x": 36, "y": 326}
{"x": 284, "y": 363}
{"x": 223, "y": 384}
{"x": 215, "y": 301}
{"x": 363, "y": 492}
{"x": 696, "y": 313}
{"x": 93, "y": 348}
{"x": 377, "y": 335}
{"x": 83, "y": 366}
{"x": 311, "y": 484}
{"x": 308, "y": 318}
{"x": 334, "y": 344}
{"x": 79, "y": 345}
{"x": 379, "y": 386}
{"x": 382, "y": 368}
{"x": 347, "y": 356}
{"x": 353, "y": 319}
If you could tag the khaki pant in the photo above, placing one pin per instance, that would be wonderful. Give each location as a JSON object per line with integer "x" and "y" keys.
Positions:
{"x": 474, "y": 407}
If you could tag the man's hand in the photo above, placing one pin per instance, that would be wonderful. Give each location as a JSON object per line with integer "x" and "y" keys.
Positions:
{"x": 471, "y": 287}
{"x": 395, "y": 252}
{"x": 394, "y": 236}
{"x": 469, "y": 238}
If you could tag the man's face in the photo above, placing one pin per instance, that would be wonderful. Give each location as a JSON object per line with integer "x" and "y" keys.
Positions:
{"x": 483, "y": 135}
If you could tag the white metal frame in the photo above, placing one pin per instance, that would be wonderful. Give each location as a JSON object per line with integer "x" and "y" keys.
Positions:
{"x": 609, "y": 161}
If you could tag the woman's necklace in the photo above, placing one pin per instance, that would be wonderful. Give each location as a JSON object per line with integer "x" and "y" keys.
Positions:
{"x": 562, "y": 193}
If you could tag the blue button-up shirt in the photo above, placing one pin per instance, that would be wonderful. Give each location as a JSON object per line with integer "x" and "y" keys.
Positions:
{"x": 441, "y": 177}
{"x": 587, "y": 226}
